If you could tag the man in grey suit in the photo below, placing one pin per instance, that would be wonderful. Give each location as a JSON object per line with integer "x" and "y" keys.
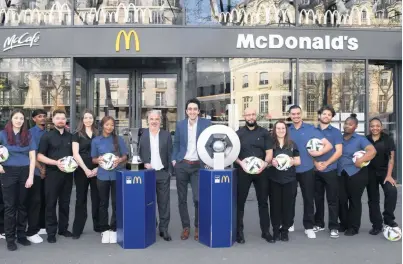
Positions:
{"x": 155, "y": 152}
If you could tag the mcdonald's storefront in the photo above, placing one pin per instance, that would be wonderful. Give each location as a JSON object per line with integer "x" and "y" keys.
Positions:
{"x": 125, "y": 71}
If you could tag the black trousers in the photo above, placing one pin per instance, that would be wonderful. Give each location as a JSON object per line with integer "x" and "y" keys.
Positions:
{"x": 307, "y": 184}
{"x": 351, "y": 189}
{"x": 163, "y": 199}
{"x": 328, "y": 181}
{"x": 106, "y": 189}
{"x": 14, "y": 198}
{"x": 34, "y": 205}
{"x": 281, "y": 204}
{"x": 58, "y": 186}
{"x": 1, "y": 211}
{"x": 42, "y": 214}
{"x": 80, "y": 217}
{"x": 261, "y": 184}
{"x": 374, "y": 180}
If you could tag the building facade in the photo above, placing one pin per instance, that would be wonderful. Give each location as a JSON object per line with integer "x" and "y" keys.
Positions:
{"x": 122, "y": 58}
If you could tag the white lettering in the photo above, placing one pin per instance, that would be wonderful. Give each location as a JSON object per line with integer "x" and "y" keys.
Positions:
{"x": 245, "y": 42}
{"x": 280, "y": 41}
{"x": 24, "y": 40}
{"x": 261, "y": 42}
{"x": 305, "y": 43}
{"x": 337, "y": 43}
{"x": 291, "y": 42}
{"x": 318, "y": 43}
{"x": 352, "y": 44}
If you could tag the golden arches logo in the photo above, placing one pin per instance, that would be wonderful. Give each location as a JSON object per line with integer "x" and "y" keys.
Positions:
{"x": 225, "y": 179}
{"x": 127, "y": 37}
{"x": 137, "y": 180}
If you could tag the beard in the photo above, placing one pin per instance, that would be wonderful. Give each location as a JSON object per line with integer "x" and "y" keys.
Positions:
{"x": 323, "y": 122}
{"x": 251, "y": 123}
{"x": 60, "y": 126}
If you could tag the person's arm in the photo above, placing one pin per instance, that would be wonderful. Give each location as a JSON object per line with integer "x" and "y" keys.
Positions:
{"x": 296, "y": 159}
{"x": 32, "y": 162}
{"x": 43, "y": 151}
{"x": 94, "y": 152}
{"x": 123, "y": 151}
{"x": 169, "y": 146}
{"x": 370, "y": 152}
{"x": 77, "y": 156}
{"x": 176, "y": 145}
{"x": 327, "y": 146}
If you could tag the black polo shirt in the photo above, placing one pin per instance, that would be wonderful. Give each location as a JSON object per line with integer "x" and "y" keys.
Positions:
{"x": 55, "y": 145}
{"x": 254, "y": 142}
{"x": 384, "y": 146}
{"x": 84, "y": 143}
{"x": 289, "y": 175}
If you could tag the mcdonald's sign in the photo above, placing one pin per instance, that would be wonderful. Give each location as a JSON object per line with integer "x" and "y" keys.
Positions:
{"x": 225, "y": 179}
{"x": 137, "y": 180}
{"x": 127, "y": 37}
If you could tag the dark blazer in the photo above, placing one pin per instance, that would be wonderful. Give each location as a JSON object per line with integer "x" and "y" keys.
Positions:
{"x": 181, "y": 137}
{"x": 165, "y": 148}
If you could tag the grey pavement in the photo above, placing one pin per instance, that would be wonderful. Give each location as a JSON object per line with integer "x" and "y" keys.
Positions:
{"x": 362, "y": 248}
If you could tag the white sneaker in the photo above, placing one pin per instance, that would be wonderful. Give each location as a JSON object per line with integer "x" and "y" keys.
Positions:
{"x": 310, "y": 233}
{"x": 334, "y": 233}
{"x": 291, "y": 229}
{"x": 42, "y": 232}
{"x": 113, "y": 237}
{"x": 2, "y": 236}
{"x": 318, "y": 228}
{"x": 36, "y": 239}
{"x": 105, "y": 237}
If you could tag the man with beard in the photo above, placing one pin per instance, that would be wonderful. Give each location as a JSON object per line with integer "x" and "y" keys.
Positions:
{"x": 53, "y": 146}
{"x": 326, "y": 174}
{"x": 257, "y": 142}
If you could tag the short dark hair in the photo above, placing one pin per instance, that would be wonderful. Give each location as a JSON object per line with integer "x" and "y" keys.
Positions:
{"x": 353, "y": 117}
{"x": 294, "y": 107}
{"x": 59, "y": 111}
{"x": 375, "y": 118}
{"x": 38, "y": 112}
{"x": 193, "y": 101}
{"x": 328, "y": 108}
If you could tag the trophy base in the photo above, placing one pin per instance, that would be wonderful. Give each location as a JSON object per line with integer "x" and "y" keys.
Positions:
{"x": 135, "y": 167}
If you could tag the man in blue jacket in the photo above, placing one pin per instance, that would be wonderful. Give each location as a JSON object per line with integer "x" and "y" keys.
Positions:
{"x": 187, "y": 164}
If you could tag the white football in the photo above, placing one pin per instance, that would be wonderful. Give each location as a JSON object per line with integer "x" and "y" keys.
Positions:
{"x": 392, "y": 233}
{"x": 253, "y": 164}
{"x": 358, "y": 155}
{"x": 314, "y": 144}
{"x": 284, "y": 162}
{"x": 3, "y": 153}
{"x": 69, "y": 163}
{"x": 108, "y": 160}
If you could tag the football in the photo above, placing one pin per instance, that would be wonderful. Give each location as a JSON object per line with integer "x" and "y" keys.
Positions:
{"x": 3, "y": 153}
{"x": 284, "y": 162}
{"x": 70, "y": 164}
{"x": 358, "y": 155}
{"x": 108, "y": 160}
{"x": 314, "y": 144}
{"x": 392, "y": 233}
{"x": 253, "y": 164}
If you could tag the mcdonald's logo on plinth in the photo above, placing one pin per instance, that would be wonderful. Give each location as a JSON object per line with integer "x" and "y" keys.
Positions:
{"x": 127, "y": 37}
{"x": 225, "y": 179}
{"x": 137, "y": 180}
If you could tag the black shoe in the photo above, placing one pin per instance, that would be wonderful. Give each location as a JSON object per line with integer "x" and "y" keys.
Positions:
{"x": 24, "y": 241}
{"x": 375, "y": 231}
{"x": 75, "y": 237}
{"x": 351, "y": 232}
{"x": 97, "y": 230}
{"x": 268, "y": 237}
{"x": 393, "y": 224}
{"x": 11, "y": 246}
{"x": 342, "y": 229}
{"x": 240, "y": 238}
{"x": 276, "y": 235}
{"x": 51, "y": 239}
{"x": 284, "y": 236}
{"x": 165, "y": 235}
{"x": 66, "y": 233}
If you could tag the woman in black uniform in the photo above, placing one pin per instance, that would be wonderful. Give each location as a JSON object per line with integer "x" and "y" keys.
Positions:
{"x": 283, "y": 181}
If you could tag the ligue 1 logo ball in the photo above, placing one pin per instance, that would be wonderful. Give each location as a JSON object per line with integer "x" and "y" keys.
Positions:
{"x": 358, "y": 155}
{"x": 284, "y": 162}
{"x": 253, "y": 164}
{"x": 69, "y": 163}
{"x": 3, "y": 153}
{"x": 392, "y": 233}
{"x": 314, "y": 144}
{"x": 107, "y": 161}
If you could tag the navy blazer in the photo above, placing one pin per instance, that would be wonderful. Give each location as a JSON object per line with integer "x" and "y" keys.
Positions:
{"x": 181, "y": 137}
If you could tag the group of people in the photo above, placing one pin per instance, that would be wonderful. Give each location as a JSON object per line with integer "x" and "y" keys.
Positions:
{"x": 34, "y": 180}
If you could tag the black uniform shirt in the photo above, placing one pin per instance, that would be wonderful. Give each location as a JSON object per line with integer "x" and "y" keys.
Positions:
{"x": 289, "y": 175}
{"x": 55, "y": 145}
{"x": 84, "y": 148}
{"x": 384, "y": 146}
{"x": 254, "y": 142}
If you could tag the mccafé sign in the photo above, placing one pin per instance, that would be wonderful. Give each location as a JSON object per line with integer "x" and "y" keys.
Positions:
{"x": 274, "y": 41}
{"x": 127, "y": 37}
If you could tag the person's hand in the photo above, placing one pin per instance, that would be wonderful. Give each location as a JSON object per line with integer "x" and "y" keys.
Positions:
{"x": 2, "y": 169}
{"x": 173, "y": 163}
{"x": 243, "y": 166}
{"x": 29, "y": 182}
{"x": 148, "y": 166}
{"x": 265, "y": 164}
{"x": 60, "y": 165}
{"x": 274, "y": 162}
{"x": 358, "y": 162}
{"x": 321, "y": 166}
{"x": 88, "y": 173}
{"x": 390, "y": 180}
{"x": 116, "y": 162}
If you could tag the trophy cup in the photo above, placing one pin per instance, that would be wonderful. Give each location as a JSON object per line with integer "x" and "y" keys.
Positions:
{"x": 134, "y": 143}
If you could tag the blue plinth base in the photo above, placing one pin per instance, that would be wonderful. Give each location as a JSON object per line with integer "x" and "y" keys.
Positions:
{"x": 217, "y": 207}
{"x": 135, "y": 208}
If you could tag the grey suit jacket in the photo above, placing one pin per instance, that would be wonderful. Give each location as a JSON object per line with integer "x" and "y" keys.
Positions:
{"x": 165, "y": 148}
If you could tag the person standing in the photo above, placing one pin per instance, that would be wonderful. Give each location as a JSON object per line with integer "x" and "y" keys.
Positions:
{"x": 283, "y": 183}
{"x": 155, "y": 152}
{"x": 380, "y": 173}
{"x": 301, "y": 133}
{"x": 85, "y": 175}
{"x": 16, "y": 175}
{"x": 353, "y": 177}
{"x": 36, "y": 202}
{"x": 186, "y": 163}
{"x": 257, "y": 142}
{"x": 53, "y": 146}
{"x": 326, "y": 174}
{"x": 108, "y": 142}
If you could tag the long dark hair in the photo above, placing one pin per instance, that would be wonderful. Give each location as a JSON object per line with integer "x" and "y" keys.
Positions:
{"x": 25, "y": 136}
{"x": 287, "y": 141}
{"x": 81, "y": 127}
{"x": 115, "y": 137}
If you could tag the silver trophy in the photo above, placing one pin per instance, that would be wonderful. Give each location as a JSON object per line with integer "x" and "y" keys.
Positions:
{"x": 133, "y": 141}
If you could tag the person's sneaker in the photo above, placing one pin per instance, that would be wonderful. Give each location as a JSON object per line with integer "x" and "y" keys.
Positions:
{"x": 350, "y": 232}
{"x": 51, "y": 239}
{"x": 291, "y": 229}
{"x": 393, "y": 224}
{"x": 113, "y": 237}
{"x": 23, "y": 241}
{"x": 334, "y": 233}
{"x": 375, "y": 231}
{"x": 42, "y": 231}
{"x": 11, "y": 246}
{"x": 66, "y": 233}
{"x": 2, "y": 236}
{"x": 36, "y": 239}
{"x": 105, "y": 237}
{"x": 284, "y": 236}
{"x": 318, "y": 228}
{"x": 310, "y": 233}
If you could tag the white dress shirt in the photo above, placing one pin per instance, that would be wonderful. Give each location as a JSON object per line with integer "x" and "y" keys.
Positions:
{"x": 191, "y": 151}
{"x": 156, "y": 162}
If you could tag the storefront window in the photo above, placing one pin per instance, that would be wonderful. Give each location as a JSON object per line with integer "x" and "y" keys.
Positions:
{"x": 33, "y": 83}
